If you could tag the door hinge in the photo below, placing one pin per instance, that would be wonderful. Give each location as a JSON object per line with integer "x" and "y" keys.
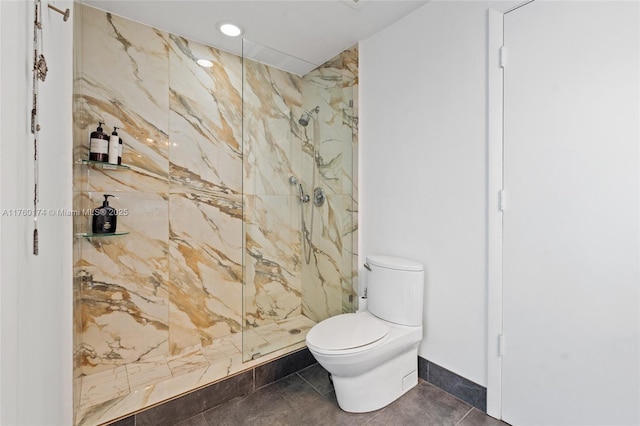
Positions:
{"x": 503, "y": 54}
{"x": 500, "y": 345}
{"x": 501, "y": 201}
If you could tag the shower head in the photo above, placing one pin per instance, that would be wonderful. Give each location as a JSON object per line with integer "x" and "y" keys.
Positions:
{"x": 306, "y": 116}
{"x": 304, "y": 119}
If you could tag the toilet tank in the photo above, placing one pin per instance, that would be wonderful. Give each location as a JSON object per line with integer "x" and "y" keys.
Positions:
{"x": 395, "y": 289}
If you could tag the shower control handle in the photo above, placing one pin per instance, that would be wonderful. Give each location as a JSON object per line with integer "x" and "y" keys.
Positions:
{"x": 318, "y": 196}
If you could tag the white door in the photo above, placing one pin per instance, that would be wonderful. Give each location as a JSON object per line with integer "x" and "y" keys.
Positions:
{"x": 571, "y": 317}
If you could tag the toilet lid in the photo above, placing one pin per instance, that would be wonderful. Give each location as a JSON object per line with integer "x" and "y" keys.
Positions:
{"x": 347, "y": 331}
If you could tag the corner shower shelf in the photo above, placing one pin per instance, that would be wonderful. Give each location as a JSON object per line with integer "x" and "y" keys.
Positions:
{"x": 103, "y": 165}
{"x": 92, "y": 235}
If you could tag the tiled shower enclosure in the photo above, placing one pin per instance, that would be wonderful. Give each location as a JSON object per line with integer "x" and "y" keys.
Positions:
{"x": 210, "y": 277}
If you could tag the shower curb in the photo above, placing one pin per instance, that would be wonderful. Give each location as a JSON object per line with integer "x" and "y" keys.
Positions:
{"x": 200, "y": 400}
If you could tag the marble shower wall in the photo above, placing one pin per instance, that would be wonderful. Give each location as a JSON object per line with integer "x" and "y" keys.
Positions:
{"x": 122, "y": 79}
{"x": 278, "y": 282}
{"x": 272, "y": 238}
{"x": 199, "y": 200}
{"x": 329, "y": 280}
{"x": 205, "y": 121}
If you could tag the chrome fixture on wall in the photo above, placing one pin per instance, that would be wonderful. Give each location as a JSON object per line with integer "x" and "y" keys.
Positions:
{"x": 304, "y": 198}
{"x": 306, "y": 116}
{"x": 318, "y": 193}
{"x": 65, "y": 13}
{"x": 318, "y": 196}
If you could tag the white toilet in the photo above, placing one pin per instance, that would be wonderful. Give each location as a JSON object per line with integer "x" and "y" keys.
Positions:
{"x": 373, "y": 355}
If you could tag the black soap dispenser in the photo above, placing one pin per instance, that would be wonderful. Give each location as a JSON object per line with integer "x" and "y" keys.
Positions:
{"x": 104, "y": 218}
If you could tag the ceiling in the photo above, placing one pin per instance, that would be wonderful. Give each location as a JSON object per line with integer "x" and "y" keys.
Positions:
{"x": 294, "y": 35}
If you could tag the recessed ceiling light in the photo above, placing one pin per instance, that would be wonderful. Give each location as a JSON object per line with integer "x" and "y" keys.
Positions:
{"x": 230, "y": 29}
{"x": 204, "y": 63}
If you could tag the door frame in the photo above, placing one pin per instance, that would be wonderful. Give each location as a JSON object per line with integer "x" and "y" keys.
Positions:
{"x": 495, "y": 174}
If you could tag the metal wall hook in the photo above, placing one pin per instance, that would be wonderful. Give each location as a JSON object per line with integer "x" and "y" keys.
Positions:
{"x": 65, "y": 14}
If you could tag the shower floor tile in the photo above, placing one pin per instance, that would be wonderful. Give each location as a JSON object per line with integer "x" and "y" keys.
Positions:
{"x": 113, "y": 393}
{"x": 103, "y": 386}
{"x": 148, "y": 371}
{"x": 253, "y": 343}
{"x": 188, "y": 360}
{"x": 276, "y": 335}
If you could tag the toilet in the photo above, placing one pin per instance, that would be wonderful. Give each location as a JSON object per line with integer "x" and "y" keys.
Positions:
{"x": 372, "y": 355}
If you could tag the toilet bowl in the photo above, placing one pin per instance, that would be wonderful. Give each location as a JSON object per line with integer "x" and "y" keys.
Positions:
{"x": 373, "y": 355}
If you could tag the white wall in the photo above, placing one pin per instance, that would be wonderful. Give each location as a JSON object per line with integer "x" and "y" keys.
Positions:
{"x": 423, "y": 168}
{"x": 35, "y": 292}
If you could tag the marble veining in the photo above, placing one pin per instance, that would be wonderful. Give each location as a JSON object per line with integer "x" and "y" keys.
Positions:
{"x": 205, "y": 117}
{"x": 206, "y": 201}
{"x": 136, "y": 104}
{"x": 124, "y": 283}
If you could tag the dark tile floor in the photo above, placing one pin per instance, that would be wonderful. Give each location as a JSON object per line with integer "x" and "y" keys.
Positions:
{"x": 306, "y": 398}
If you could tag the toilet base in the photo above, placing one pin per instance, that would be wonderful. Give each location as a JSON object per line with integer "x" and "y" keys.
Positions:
{"x": 380, "y": 386}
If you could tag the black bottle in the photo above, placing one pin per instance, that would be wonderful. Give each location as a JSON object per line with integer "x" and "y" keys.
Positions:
{"x": 105, "y": 218}
{"x": 99, "y": 145}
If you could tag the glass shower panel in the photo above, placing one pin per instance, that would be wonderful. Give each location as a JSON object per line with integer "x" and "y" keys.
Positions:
{"x": 298, "y": 136}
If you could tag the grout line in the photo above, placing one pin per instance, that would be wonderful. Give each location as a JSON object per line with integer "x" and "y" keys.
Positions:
{"x": 463, "y": 417}
{"x": 454, "y": 396}
{"x": 308, "y": 382}
{"x": 376, "y": 415}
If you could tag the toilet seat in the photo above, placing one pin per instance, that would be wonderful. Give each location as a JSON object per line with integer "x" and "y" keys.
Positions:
{"x": 347, "y": 332}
